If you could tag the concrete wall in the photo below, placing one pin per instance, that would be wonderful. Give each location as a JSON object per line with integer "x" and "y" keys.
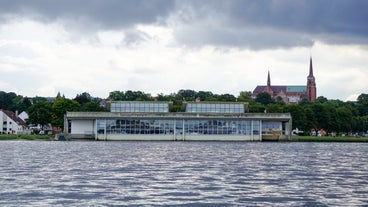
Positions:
{"x": 153, "y": 137}
{"x": 83, "y": 127}
{"x": 221, "y": 138}
{"x": 135, "y": 137}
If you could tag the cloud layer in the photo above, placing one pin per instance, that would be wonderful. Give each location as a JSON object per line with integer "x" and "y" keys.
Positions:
{"x": 158, "y": 46}
{"x": 236, "y": 23}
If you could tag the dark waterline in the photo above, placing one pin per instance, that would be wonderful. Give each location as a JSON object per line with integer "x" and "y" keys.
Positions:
{"x": 183, "y": 174}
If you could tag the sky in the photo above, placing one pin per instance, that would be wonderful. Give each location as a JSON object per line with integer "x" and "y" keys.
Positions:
{"x": 162, "y": 46}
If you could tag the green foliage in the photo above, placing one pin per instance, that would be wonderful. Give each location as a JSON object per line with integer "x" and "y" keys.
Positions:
{"x": 59, "y": 109}
{"x": 245, "y": 96}
{"x": 40, "y": 113}
{"x": 299, "y": 116}
{"x": 83, "y": 98}
{"x": 92, "y": 106}
{"x": 264, "y": 98}
{"x": 331, "y": 115}
{"x": 25, "y": 137}
{"x": 274, "y": 108}
{"x": 129, "y": 96}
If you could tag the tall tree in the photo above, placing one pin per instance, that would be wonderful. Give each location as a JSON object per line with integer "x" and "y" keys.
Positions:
{"x": 299, "y": 116}
{"x": 245, "y": 96}
{"x": 311, "y": 121}
{"x": 92, "y": 106}
{"x": 264, "y": 98}
{"x": 83, "y": 98}
{"x": 40, "y": 113}
{"x": 344, "y": 119}
{"x": 117, "y": 96}
{"x": 59, "y": 109}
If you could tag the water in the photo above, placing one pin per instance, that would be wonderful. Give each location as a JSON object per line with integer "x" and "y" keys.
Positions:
{"x": 45, "y": 173}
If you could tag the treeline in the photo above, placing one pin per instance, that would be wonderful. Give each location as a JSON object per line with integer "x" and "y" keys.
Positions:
{"x": 330, "y": 115}
{"x": 49, "y": 110}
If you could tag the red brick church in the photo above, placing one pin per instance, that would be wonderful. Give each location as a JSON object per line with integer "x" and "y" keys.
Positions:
{"x": 290, "y": 94}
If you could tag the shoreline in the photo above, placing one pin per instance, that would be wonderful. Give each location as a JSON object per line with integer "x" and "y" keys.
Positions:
{"x": 32, "y": 137}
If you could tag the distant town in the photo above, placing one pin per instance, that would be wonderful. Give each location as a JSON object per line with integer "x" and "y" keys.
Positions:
{"x": 20, "y": 114}
{"x": 311, "y": 115}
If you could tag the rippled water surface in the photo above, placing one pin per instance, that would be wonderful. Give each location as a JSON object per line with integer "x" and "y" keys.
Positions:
{"x": 183, "y": 174}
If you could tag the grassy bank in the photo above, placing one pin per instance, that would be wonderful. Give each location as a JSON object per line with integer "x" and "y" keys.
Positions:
{"x": 25, "y": 137}
{"x": 331, "y": 139}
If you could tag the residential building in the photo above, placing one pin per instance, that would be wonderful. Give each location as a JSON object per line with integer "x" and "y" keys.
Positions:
{"x": 10, "y": 123}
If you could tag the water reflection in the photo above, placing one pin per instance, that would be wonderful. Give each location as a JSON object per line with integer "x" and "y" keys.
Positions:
{"x": 183, "y": 174}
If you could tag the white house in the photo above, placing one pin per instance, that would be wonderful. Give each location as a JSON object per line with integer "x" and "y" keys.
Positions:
{"x": 24, "y": 116}
{"x": 10, "y": 123}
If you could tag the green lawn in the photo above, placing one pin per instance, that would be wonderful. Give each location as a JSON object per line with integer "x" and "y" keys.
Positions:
{"x": 25, "y": 137}
{"x": 330, "y": 139}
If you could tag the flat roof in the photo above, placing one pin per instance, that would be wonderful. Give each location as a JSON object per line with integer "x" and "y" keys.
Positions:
{"x": 177, "y": 115}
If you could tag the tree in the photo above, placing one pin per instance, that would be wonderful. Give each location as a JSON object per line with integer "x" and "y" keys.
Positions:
{"x": 363, "y": 104}
{"x": 245, "y": 96}
{"x": 60, "y": 107}
{"x": 6, "y": 100}
{"x": 344, "y": 119}
{"x": 274, "y": 108}
{"x": 40, "y": 113}
{"x": 363, "y": 98}
{"x": 186, "y": 95}
{"x": 205, "y": 96}
{"x": 92, "y": 106}
{"x": 23, "y": 105}
{"x": 264, "y": 98}
{"x": 311, "y": 122}
{"x": 299, "y": 116}
{"x": 322, "y": 99}
{"x": 117, "y": 96}
{"x": 83, "y": 98}
{"x": 322, "y": 115}
{"x": 227, "y": 98}
{"x": 256, "y": 107}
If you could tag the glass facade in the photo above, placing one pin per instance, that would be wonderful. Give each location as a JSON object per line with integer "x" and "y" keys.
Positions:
{"x": 190, "y": 127}
{"x": 135, "y": 126}
{"x": 201, "y": 121}
{"x": 144, "y": 107}
{"x": 217, "y": 127}
{"x": 215, "y": 108}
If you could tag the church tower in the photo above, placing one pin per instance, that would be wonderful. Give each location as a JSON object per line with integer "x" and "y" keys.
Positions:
{"x": 268, "y": 88}
{"x": 311, "y": 84}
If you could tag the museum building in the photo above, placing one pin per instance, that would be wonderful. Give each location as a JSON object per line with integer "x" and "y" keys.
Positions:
{"x": 199, "y": 121}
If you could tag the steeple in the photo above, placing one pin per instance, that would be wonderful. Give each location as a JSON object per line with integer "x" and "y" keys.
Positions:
{"x": 311, "y": 83}
{"x": 268, "y": 79}
{"x": 310, "y": 67}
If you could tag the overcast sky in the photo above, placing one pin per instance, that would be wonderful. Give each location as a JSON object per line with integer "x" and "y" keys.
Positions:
{"x": 162, "y": 46}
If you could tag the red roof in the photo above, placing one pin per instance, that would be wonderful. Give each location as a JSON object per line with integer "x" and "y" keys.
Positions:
{"x": 14, "y": 117}
{"x": 275, "y": 89}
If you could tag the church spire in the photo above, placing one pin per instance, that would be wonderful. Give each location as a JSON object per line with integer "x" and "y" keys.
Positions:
{"x": 311, "y": 83}
{"x": 310, "y": 67}
{"x": 268, "y": 79}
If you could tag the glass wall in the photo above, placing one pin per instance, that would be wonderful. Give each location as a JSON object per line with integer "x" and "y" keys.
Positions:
{"x": 191, "y": 127}
{"x": 218, "y": 127}
{"x": 256, "y": 127}
{"x": 123, "y": 126}
{"x": 131, "y": 106}
{"x": 214, "y": 108}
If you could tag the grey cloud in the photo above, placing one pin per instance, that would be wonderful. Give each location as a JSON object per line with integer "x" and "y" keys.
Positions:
{"x": 264, "y": 24}
{"x": 254, "y": 24}
{"x": 104, "y": 14}
{"x": 134, "y": 37}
